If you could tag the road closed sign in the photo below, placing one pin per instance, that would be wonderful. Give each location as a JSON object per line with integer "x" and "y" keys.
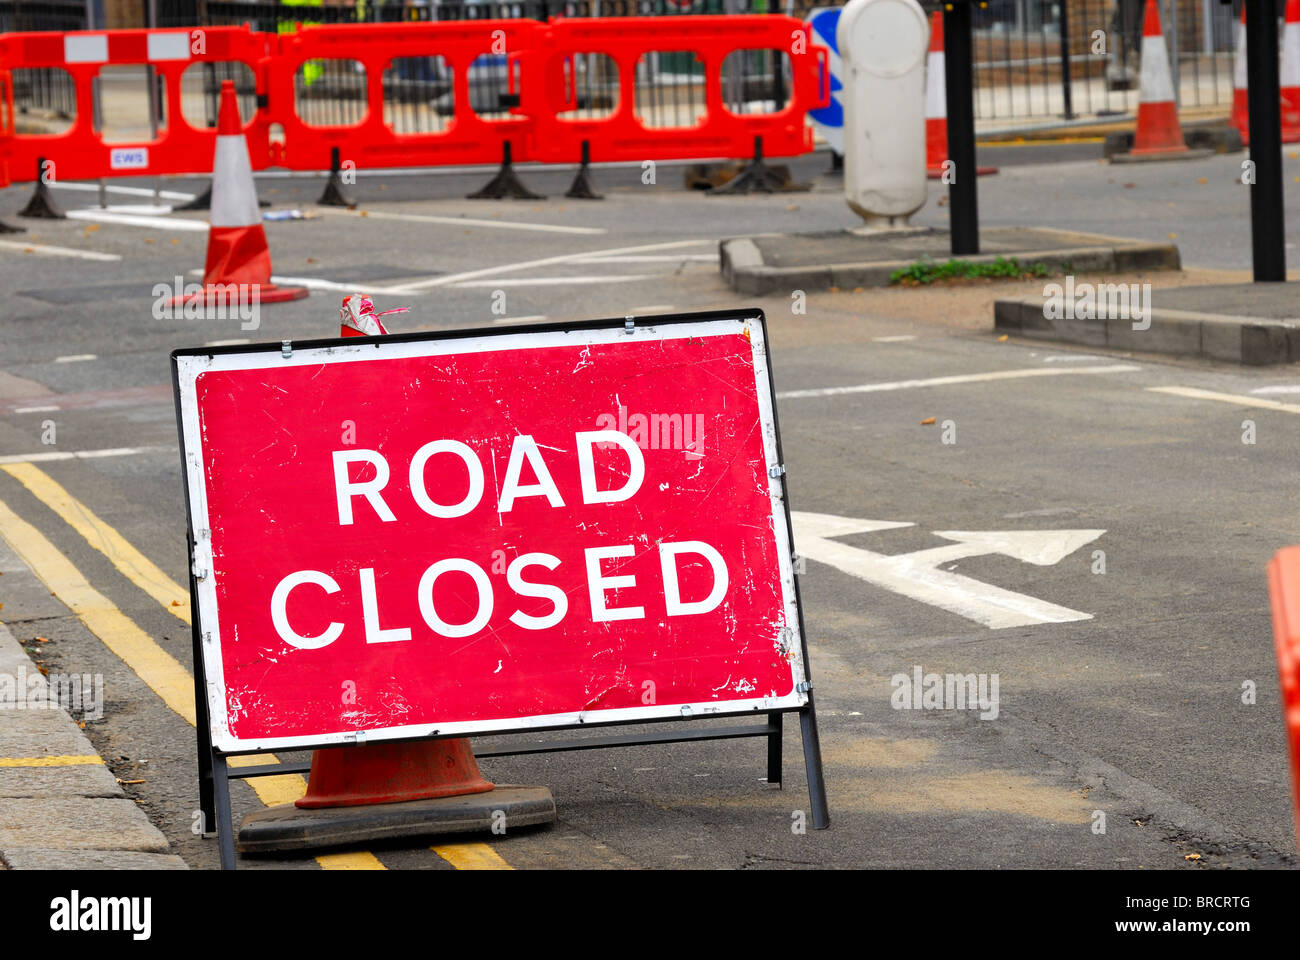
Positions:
{"x": 489, "y": 531}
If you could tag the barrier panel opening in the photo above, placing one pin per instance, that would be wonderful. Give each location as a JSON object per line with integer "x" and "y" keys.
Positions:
{"x": 201, "y": 91}
{"x": 670, "y": 90}
{"x": 418, "y": 95}
{"x": 330, "y": 93}
{"x": 46, "y": 95}
{"x": 492, "y": 92}
{"x": 591, "y": 84}
{"x": 124, "y": 101}
{"x": 756, "y": 81}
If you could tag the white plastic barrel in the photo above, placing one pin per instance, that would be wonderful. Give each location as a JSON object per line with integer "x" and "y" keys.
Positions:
{"x": 883, "y": 45}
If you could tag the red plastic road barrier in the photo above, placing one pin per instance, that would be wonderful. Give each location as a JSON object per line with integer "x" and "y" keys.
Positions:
{"x": 80, "y": 153}
{"x": 6, "y": 123}
{"x": 718, "y": 132}
{"x": 1284, "y": 591}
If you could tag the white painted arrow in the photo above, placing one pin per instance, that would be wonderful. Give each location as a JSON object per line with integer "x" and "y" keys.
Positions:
{"x": 916, "y": 574}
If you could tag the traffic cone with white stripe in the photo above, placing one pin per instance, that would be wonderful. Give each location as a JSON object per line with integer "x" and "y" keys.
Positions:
{"x": 1240, "y": 101}
{"x": 1290, "y": 75}
{"x": 237, "y": 250}
{"x": 936, "y": 106}
{"x": 1158, "y": 132}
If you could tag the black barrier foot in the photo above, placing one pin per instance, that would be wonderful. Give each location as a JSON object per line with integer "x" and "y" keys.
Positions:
{"x": 506, "y": 183}
{"x": 42, "y": 205}
{"x": 581, "y": 189}
{"x": 335, "y": 195}
{"x": 758, "y": 177}
{"x": 204, "y": 202}
{"x": 5, "y": 228}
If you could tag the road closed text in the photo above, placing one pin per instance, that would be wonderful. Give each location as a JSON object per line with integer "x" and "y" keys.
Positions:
{"x": 446, "y": 479}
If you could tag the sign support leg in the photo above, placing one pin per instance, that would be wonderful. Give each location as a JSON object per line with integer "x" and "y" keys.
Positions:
{"x": 202, "y": 724}
{"x": 812, "y": 758}
{"x": 774, "y": 748}
{"x": 225, "y": 817}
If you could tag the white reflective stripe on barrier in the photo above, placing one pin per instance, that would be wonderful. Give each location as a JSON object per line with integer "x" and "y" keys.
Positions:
{"x": 85, "y": 48}
{"x": 169, "y": 46}
{"x": 234, "y": 202}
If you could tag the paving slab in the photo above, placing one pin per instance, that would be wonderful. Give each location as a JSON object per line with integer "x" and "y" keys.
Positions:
{"x": 772, "y": 263}
{"x": 1254, "y": 324}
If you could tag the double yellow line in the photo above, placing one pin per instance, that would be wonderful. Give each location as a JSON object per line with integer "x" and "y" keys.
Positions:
{"x": 162, "y": 672}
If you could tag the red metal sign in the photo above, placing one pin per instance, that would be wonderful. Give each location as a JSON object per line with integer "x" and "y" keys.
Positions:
{"x": 432, "y": 535}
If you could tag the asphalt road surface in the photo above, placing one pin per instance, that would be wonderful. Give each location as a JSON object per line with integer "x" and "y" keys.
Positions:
{"x": 1116, "y": 531}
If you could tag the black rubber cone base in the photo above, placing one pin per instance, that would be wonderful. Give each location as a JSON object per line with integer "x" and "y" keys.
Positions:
{"x": 6, "y": 228}
{"x": 42, "y": 205}
{"x": 758, "y": 177}
{"x": 287, "y": 828}
{"x": 581, "y": 188}
{"x": 334, "y": 194}
{"x": 506, "y": 183}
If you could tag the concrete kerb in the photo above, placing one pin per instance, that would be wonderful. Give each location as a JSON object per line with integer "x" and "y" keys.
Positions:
{"x": 1251, "y": 341}
{"x": 743, "y": 268}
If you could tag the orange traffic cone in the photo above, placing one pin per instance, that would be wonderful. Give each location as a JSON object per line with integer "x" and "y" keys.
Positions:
{"x": 1290, "y": 74}
{"x": 1158, "y": 131}
{"x": 388, "y": 772}
{"x": 237, "y": 250}
{"x": 1240, "y": 101}
{"x": 936, "y": 106}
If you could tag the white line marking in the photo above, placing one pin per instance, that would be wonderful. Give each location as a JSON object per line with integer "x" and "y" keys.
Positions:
{"x": 78, "y": 454}
{"x": 35, "y": 409}
{"x": 237, "y": 342}
{"x": 49, "y": 251}
{"x": 76, "y": 358}
{"x": 126, "y": 191}
{"x": 133, "y": 220}
{"x": 552, "y": 281}
{"x": 315, "y": 283}
{"x": 654, "y": 258}
{"x": 451, "y": 278}
{"x": 1193, "y": 393}
{"x": 466, "y": 221}
{"x": 916, "y": 575}
{"x": 901, "y": 338}
{"x": 1292, "y": 388}
{"x": 538, "y": 318}
{"x": 652, "y": 307}
{"x": 962, "y": 378}
{"x": 1070, "y": 358}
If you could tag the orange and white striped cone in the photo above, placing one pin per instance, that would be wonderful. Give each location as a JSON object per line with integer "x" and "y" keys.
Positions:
{"x": 936, "y": 106}
{"x": 237, "y": 250}
{"x": 1240, "y": 101}
{"x": 1158, "y": 131}
{"x": 1289, "y": 80}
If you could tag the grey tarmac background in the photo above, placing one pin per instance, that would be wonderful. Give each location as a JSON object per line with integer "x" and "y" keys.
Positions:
{"x": 1136, "y": 712}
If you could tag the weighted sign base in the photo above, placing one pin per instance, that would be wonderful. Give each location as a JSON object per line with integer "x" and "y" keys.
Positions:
{"x": 289, "y": 828}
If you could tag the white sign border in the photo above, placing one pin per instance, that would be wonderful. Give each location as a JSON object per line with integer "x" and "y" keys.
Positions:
{"x": 188, "y": 366}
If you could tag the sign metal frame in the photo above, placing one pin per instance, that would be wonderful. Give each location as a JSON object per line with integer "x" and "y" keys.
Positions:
{"x": 215, "y": 743}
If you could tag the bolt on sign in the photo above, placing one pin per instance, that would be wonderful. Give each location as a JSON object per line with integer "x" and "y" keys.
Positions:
{"x": 489, "y": 531}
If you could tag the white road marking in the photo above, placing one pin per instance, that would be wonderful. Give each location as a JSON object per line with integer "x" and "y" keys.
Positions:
{"x": 655, "y": 258}
{"x": 125, "y": 191}
{"x": 1070, "y": 357}
{"x": 900, "y": 338}
{"x": 46, "y": 250}
{"x": 237, "y": 342}
{"x": 465, "y": 221}
{"x": 961, "y": 378}
{"x": 451, "y": 278}
{"x": 916, "y": 575}
{"x": 652, "y": 307}
{"x": 78, "y": 454}
{"x": 137, "y": 220}
{"x": 35, "y": 409}
{"x": 552, "y": 281}
{"x": 537, "y": 318}
{"x": 1290, "y": 388}
{"x": 76, "y": 358}
{"x": 1192, "y": 393}
{"x": 315, "y": 283}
